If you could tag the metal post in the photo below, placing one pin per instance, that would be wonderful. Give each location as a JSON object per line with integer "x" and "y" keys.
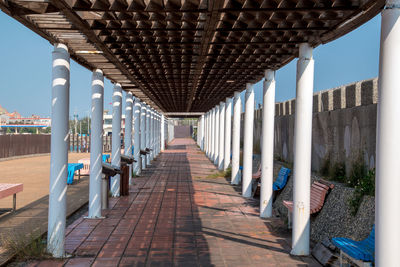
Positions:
{"x": 137, "y": 168}
{"x": 162, "y": 132}
{"x": 96, "y": 144}
{"x": 221, "y": 150}
{"x": 248, "y": 141}
{"x": 59, "y": 151}
{"x": 116, "y": 138}
{"x": 216, "y": 136}
{"x": 104, "y": 192}
{"x": 128, "y": 130}
{"x": 228, "y": 132}
{"x": 302, "y": 152}
{"x": 387, "y": 245}
{"x": 267, "y": 150}
{"x": 237, "y": 108}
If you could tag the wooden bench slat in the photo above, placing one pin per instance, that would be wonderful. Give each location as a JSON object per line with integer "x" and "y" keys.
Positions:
{"x": 10, "y": 189}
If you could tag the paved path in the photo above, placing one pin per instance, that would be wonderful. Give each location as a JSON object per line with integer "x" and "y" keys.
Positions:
{"x": 176, "y": 216}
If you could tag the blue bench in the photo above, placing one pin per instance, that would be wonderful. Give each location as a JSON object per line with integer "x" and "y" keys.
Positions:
{"x": 282, "y": 178}
{"x": 360, "y": 252}
{"x": 106, "y": 157}
{"x": 279, "y": 183}
{"x": 72, "y": 168}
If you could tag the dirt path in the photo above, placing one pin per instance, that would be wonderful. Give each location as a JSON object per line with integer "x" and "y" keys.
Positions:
{"x": 34, "y": 173}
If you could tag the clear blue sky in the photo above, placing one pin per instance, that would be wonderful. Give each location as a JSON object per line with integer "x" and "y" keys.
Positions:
{"x": 25, "y": 69}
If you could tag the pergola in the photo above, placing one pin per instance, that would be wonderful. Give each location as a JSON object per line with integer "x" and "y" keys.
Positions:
{"x": 190, "y": 57}
{"x": 187, "y": 55}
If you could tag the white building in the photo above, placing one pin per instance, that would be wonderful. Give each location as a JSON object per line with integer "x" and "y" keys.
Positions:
{"x": 107, "y": 125}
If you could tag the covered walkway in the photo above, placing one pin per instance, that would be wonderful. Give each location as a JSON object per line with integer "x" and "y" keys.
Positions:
{"x": 176, "y": 216}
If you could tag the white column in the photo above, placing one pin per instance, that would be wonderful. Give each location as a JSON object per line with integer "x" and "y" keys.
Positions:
{"x": 143, "y": 134}
{"x": 237, "y": 109}
{"x": 152, "y": 123}
{"x": 162, "y": 132}
{"x": 228, "y": 132}
{"x": 59, "y": 151}
{"x": 155, "y": 134}
{"x": 212, "y": 135}
{"x": 221, "y": 139}
{"x": 209, "y": 135}
{"x": 156, "y": 145}
{"x": 198, "y": 132}
{"x": 206, "y": 133}
{"x": 96, "y": 144}
{"x": 116, "y": 138}
{"x": 267, "y": 149}
{"x": 158, "y": 133}
{"x": 302, "y": 152}
{"x": 387, "y": 234}
{"x": 137, "y": 168}
{"x": 248, "y": 141}
{"x": 148, "y": 133}
{"x": 202, "y": 126}
{"x": 216, "y": 137}
{"x": 128, "y": 130}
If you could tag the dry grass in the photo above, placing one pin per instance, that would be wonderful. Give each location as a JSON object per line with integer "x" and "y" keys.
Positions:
{"x": 31, "y": 246}
{"x": 220, "y": 174}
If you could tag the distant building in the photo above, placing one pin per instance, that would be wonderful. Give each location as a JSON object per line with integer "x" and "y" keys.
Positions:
{"x": 14, "y": 119}
{"x": 107, "y": 125}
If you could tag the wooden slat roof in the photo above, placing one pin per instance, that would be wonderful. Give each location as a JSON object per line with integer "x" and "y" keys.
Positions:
{"x": 188, "y": 55}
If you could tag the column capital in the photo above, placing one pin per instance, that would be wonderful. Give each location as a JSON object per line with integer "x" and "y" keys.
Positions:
{"x": 61, "y": 48}
{"x": 305, "y": 51}
{"x": 249, "y": 89}
{"x": 269, "y": 75}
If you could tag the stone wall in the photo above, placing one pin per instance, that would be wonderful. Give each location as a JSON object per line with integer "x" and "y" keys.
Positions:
{"x": 344, "y": 125}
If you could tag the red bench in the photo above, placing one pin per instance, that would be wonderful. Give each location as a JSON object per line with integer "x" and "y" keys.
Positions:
{"x": 11, "y": 189}
{"x": 319, "y": 190}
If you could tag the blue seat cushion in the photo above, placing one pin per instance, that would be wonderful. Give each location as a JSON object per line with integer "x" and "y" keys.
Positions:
{"x": 282, "y": 178}
{"x": 357, "y": 249}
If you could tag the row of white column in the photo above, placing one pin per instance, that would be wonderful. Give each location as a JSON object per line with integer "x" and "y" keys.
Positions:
{"x": 146, "y": 124}
{"x": 388, "y": 143}
{"x": 218, "y": 144}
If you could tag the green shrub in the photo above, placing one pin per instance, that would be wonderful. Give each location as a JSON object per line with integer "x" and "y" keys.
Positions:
{"x": 364, "y": 186}
{"x": 325, "y": 166}
{"x": 358, "y": 172}
{"x": 228, "y": 172}
{"x": 338, "y": 172}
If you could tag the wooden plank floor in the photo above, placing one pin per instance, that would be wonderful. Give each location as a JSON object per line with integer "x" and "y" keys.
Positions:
{"x": 176, "y": 216}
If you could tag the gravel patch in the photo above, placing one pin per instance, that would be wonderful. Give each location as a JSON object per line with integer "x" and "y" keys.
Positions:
{"x": 335, "y": 218}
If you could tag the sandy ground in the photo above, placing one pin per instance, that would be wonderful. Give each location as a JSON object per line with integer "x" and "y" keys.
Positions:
{"x": 34, "y": 173}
